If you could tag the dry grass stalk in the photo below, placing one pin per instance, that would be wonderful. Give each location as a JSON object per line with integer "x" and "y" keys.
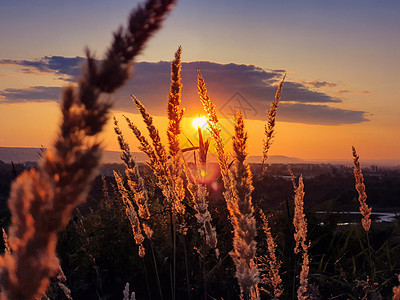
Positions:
{"x": 300, "y": 237}
{"x": 199, "y": 193}
{"x": 126, "y": 293}
{"x": 244, "y": 223}
{"x": 270, "y": 126}
{"x": 173, "y": 193}
{"x": 131, "y": 214}
{"x": 215, "y": 131}
{"x": 159, "y": 148}
{"x": 396, "y": 291}
{"x": 302, "y": 290}
{"x": 238, "y": 188}
{"x": 7, "y": 248}
{"x": 159, "y": 166}
{"x": 175, "y": 114}
{"x": 168, "y": 174}
{"x": 145, "y": 146}
{"x": 62, "y": 283}
{"x": 362, "y": 195}
{"x": 270, "y": 263}
{"x": 41, "y": 200}
{"x": 135, "y": 181}
{"x": 106, "y": 196}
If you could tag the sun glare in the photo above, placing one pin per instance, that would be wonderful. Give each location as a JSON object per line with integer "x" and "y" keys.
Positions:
{"x": 200, "y": 122}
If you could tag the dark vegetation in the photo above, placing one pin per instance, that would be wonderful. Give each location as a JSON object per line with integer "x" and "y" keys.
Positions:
{"x": 98, "y": 252}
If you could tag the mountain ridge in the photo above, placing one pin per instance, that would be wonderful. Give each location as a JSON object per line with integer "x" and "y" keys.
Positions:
{"x": 31, "y": 154}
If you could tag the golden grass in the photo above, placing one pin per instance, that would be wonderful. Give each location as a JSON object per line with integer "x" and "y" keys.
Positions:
{"x": 135, "y": 181}
{"x": 300, "y": 237}
{"x": 238, "y": 188}
{"x": 131, "y": 214}
{"x": 269, "y": 129}
{"x": 270, "y": 264}
{"x": 362, "y": 195}
{"x": 199, "y": 194}
{"x": 168, "y": 172}
{"x": 7, "y": 248}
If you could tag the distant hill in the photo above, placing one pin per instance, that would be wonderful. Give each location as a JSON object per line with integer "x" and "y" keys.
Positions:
{"x": 21, "y": 155}
{"x": 277, "y": 159}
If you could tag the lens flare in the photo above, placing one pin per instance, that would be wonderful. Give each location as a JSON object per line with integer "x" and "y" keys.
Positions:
{"x": 200, "y": 122}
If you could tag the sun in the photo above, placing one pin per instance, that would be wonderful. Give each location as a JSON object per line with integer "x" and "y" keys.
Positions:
{"x": 200, "y": 122}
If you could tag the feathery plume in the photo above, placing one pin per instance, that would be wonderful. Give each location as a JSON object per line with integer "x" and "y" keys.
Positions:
{"x": 131, "y": 214}
{"x": 302, "y": 290}
{"x": 106, "y": 196}
{"x": 62, "y": 281}
{"x": 199, "y": 193}
{"x": 215, "y": 131}
{"x": 299, "y": 219}
{"x": 7, "y": 248}
{"x": 153, "y": 133}
{"x": 300, "y": 237}
{"x": 172, "y": 192}
{"x": 362, "y": 195}
{"x": 175, "y": 115}
{"x": 145, "y": 146}
{"x": 238, "y": 188}
{"x": 135, "y": 181}
{"x": 41, "y": 201}
{"x": 242, "y": 213}
{"x": 270, "y": 126}
{"x": 160, "y": 170}
{"x": 270, "y": 263}
{"x": 126, "y": 293}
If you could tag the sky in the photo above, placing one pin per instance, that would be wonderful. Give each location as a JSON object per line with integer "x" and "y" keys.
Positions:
{"x": 341, "y": 59}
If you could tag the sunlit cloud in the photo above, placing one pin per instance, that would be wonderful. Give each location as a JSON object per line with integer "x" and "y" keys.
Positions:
{"x": 231, "y": 87}
{"x": 319, "y": 114}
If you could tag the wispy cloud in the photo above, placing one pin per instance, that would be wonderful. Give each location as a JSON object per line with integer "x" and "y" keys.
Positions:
{"x": 319, "y": 84}
{"x": 319, "y": 114}
{"x": 32, "y": 94}
{"x": 51, "y": 64}
{"x": 231, "y": 86}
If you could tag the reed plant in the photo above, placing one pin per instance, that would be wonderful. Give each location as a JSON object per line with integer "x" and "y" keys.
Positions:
{"x": 131, "y": 214}
{"x": 269, "y": 128}
{"x": 135, "y": 181}
{"x": 7, "y": 248}
{"x": 199, "y": 194}
{"x": 300, "y": 237}
{"x": 271, "y": 282}
{"x": 166, "y": 163}
{"x": 238, "y": 188}
{"x": 362, "y": 195}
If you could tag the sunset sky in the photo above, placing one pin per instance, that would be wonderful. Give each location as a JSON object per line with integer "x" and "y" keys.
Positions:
{"x": 342, "y": 60}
